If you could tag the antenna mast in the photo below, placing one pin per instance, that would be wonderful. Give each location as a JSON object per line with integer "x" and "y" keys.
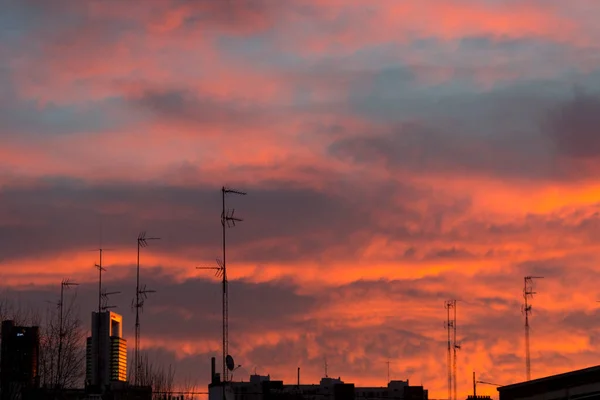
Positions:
{"x": 227, "y": 221}
{"x": 140, "y": 296}
{"x": 100, "y": 269}
{"x": 456, "y": 347}
{"x": 98, "y": 358}
{"x": 388, "y": 371}
{"x": 449, "y": 304}
{"x": 528, "y": 293}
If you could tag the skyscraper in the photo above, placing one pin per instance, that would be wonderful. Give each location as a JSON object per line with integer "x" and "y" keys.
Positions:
{"x": 20, "y": 358}
{"x": 106, "y": 350}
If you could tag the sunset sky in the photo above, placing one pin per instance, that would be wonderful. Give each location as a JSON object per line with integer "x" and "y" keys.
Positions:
{"x": 396, "y": 154}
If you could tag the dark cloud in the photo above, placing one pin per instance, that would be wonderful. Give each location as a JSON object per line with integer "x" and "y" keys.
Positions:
{"x": 56, "y": 214}
{"x": 420, "y": 147}
{"x": 574, "y": 126}
{"x": 184, "y": 106}
{"x": 236, "y": 17}
{"x": 186, "y": 310}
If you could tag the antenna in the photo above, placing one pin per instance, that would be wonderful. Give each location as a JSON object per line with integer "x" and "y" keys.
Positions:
{"x": 528, "y": 293}
{"x": 105, "y": 295}
{"x": 227, "y": 221}
{"x": 142, "y": 241}
{"x": 97, "y": 347}
{"x": 100, "y": 269}
{"x": 325, "y": 364}
{"x": 218, "y": 269}
{"x": 449, "y": 304}
{"x": 388, "y": 371}
{"x": 65, "y": 283}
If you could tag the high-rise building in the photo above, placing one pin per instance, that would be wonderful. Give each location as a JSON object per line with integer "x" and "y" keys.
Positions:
{"x": 106, "y": 350}
{"x": 20, "y": 358}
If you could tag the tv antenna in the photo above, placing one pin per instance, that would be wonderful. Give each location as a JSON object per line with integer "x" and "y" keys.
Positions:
{"x": 475, "y": 382}
{"x": 65, "y": 284}
{"x": 100, "y": 269}
{"x": 140, "y": 296}
{"x": 451, "y": 362}
{"x": 228, "y": 220}
{"x": 388, "y": 362}
{"x": 528, "y": 293}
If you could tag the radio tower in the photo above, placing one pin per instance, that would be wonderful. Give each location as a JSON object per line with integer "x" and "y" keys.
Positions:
{"x": 449, "y": 324}
{"x": 528, "y": 293}
{"x": 140, "y": 295}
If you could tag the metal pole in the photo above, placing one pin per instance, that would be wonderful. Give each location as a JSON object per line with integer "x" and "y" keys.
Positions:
{"x": 474, "y": 385}
{"x": 137, "y": 319}
{"x": 454, "y": 349}
{"x": 225, "y": 295}
{"x": 527, "y": 354}
{"x": 60, "y": 336}
{"x": 449, "y": 357}
{"x": 98, "y": 331}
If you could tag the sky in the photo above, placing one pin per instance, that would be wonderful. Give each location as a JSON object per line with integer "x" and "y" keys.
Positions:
{"x": 396, "y": 154}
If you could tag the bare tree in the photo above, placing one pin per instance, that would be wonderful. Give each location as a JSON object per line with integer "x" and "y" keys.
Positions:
{"x": 160, "y": 380}
{"x": 22, "y": 315}
{"x": 73, "y": 348}
{"x": 189, "y": 387}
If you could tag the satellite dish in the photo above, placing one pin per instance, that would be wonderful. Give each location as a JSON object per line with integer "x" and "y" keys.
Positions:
{"x": 229, "y": 362}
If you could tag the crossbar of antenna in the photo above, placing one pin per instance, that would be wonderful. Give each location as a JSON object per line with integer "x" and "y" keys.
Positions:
{"x": 235, "y": 191}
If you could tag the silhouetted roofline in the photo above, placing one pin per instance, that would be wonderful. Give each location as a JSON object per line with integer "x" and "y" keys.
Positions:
{"x": 554, "y": 382}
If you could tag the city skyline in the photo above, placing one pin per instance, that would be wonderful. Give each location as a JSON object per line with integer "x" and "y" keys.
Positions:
{"x": 397, "y": 155}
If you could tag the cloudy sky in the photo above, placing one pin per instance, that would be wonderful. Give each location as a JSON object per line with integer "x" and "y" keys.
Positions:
{"x": 396, "y": 154}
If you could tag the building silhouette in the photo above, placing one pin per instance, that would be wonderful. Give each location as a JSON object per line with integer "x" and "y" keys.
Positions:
{"x": 579, "y": 384}
{"x": 263, "y": 388}
{"x": 20, "y": 359}
{"x": 106, "y": 351}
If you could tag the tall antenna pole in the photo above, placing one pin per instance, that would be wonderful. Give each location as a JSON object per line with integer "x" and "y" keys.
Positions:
{"x": 100, "y": 269}
{"x": 140, "y": 296}
{"x": 388, "y": 371}
{"x": 64, "y": 284}
{"x": 528, "y": 293}
{"x": 227, "y": 221}
{"x": 98, "y": 358}
{"x": 449, "y": 323}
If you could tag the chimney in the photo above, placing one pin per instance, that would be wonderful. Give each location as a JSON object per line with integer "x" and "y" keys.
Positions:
{"x": 212, "y": 369}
